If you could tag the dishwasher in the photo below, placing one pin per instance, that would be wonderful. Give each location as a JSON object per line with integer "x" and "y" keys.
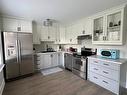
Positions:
{"x": 68, "y": 60}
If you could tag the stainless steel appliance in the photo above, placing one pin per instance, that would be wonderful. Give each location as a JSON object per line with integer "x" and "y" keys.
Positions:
{"x": 79, "y": 66}
{"x": 18, "y": 54}
{"x": 68, "y": 59}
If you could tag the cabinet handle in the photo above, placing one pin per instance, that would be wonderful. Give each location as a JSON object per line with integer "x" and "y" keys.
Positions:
{"x": 48, "y": 37}
{"x": 70, "y": 40}
{"x": 95, "y": 77}
{"x": 106, "y": 64}
{"x": 95, "y": 69}
{"x": 103, "y": 38}
{"x": 59, "y": 40}
{"x": 105, "y": 72}
{"x": 105, "y": 82}
{"x": 38, "y": 63}
{"x": 83, "y": 32}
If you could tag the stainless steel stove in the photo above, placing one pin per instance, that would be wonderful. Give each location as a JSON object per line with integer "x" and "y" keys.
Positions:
{"x": 79, "y": 66}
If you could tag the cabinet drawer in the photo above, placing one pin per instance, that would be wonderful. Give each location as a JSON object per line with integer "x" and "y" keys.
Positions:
{"x": 94, "y": 68}
{"x": 110, "y": 65}
{"x": 109, "y": 84}
{"x": 38, "y": 62}
{"x": 38, "y": 58}
{"x": 106, "y": 72}
{"x": 95, "y": 78}
{"x": 39, "y": 66}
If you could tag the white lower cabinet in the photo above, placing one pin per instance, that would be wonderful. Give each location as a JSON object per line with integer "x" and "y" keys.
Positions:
{"x": 46, "y": 60}
{"x": 54, "y": 59}
{"x": 105, "y": 82}
{"x": 110, "y": 74}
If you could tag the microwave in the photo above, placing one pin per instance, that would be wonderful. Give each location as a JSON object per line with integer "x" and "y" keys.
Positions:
{"x": 110, "y": 53}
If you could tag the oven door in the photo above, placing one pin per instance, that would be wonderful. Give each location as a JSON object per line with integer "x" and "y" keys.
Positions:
{"x": 79, "y": 65}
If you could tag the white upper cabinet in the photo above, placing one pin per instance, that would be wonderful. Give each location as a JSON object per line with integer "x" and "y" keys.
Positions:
{"x": 44, "y": 33}
{"x": 16, "y": 25}
{"x": 26, "y": 26}
{"x": 109, "y": 27}
{"x": 71, "y": 35}
{"x": 49, "y": 33}
{"x": 36, "y": 32}
{"x": 62, "y": 35}
{"x": 10, "y": 25}
{"x": 1, "y": 23}
{"x": 52, "y": 33}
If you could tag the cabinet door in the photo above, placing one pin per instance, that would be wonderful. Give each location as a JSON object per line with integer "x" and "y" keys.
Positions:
{"x": 114, "y": 26}
{"x": 36, "y": 33}
{"x": 47, "y": 61}
{"x": 44, "y": 33}
{"x": 98, "y": 29}
{"x": 26, "y": 26}
{"x": 54, "y": 59}
{"x": 61, "y": 59}
{"x": 87, "y": 26}
{"x": 1, "y": 23}
{"x": 62, "y": 35}
{"x": 52, "y": 33}
{"x": 10, "y": 25}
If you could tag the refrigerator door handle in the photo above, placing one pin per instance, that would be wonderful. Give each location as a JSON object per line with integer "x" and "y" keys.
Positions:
{"x": 17, "y": 50}
{"x": 19, "y": 45}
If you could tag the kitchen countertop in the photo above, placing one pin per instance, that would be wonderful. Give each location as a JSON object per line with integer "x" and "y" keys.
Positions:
{"x": 118, "y": 61}
{"x": 54, "y": 52}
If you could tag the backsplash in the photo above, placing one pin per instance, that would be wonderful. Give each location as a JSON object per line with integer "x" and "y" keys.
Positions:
{"x": 86, "y": 43}
{"x": 43, "y": 46}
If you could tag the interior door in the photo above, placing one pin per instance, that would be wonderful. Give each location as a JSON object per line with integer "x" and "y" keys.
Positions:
{"x": 11, "y": 55}
{"x": 26, "y": 53}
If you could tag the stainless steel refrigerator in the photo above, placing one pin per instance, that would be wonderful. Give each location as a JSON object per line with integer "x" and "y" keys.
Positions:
{"x": 18, "y": 54}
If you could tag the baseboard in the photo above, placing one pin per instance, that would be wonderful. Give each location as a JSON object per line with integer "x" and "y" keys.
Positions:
{"x": 2, "y": 87}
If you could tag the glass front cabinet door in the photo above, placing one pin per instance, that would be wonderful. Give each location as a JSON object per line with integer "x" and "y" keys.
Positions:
{"x": 98, "y": 29}
{"x": 114, "y": 28}
{"x": 110, "y": 28}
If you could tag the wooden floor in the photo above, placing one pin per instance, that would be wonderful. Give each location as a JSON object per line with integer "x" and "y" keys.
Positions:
{"x": 61, "y": 83}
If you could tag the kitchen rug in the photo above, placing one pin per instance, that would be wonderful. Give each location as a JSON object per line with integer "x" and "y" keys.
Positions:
{"x": 51, "y": 71}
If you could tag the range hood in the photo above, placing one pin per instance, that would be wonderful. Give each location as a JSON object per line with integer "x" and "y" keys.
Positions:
{"x": 82, "y": 37}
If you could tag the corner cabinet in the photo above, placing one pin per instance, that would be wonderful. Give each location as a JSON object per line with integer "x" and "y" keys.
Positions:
{"x": 109, "y": 27}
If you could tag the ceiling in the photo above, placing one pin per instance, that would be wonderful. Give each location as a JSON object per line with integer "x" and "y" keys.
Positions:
{"x": 64, "y": 11}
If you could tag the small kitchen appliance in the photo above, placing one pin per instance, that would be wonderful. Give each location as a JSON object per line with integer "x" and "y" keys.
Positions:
{"x": 110, "y": 53}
